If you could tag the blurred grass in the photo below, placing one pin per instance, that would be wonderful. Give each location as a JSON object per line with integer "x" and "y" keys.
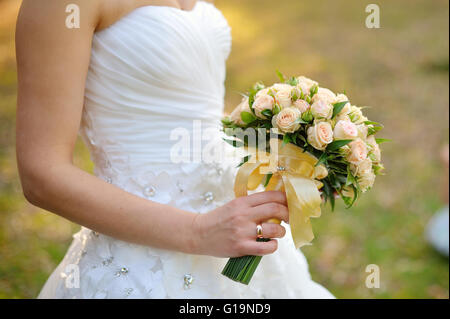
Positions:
{"x": 401, "y": 70}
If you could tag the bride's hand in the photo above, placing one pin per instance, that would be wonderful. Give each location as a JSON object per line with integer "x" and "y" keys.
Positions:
{"x": 230, "y": 230}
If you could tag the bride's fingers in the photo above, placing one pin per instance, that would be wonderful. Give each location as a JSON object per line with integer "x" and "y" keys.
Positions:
{"x": 255, "y": 248}
{"x": 268, "y": 211}
{"x": 270, "y": 230}
{"x": 266, "y": 197}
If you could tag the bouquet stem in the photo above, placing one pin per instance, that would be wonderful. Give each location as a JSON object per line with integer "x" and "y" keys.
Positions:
{"x": 241, "y": 269}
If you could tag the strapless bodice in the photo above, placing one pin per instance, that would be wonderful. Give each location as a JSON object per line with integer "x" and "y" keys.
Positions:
{"x": 154, "y": 71}
{"x": 154, "y": 75}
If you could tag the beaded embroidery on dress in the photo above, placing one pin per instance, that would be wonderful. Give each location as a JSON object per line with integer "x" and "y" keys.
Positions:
{"x": 156, "y": 72}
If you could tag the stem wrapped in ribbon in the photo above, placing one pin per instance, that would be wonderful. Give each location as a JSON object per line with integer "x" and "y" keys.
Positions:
{"x": 293, "y": 171}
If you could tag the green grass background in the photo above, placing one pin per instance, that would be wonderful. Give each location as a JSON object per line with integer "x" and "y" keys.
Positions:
{"x": 400, "y": 70}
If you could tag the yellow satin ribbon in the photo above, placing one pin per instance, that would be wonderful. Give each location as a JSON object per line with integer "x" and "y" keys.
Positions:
{"x": 294, "y": 172}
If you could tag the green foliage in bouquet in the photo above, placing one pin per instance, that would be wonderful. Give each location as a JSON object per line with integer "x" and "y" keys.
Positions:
{"x": 344, "y": 178}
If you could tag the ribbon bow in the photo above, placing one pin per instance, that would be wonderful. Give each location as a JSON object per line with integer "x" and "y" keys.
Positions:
{"x": 295, "y": 173}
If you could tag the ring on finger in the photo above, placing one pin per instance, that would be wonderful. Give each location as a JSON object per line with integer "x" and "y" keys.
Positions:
{"x": 259, "y": 231}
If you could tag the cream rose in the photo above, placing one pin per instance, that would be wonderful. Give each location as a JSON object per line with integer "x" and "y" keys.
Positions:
{"x": 324, "y": 95}
{"x": 363, "y": 130}
{"x": 345, "y": 150}
{"x": 263, "y": 102}
{"x": 320, "y": 135}
{"x": 296, "y": 93}
{"x": 356, "y": 115}
{"x": 321, "y": 109}
{"x": 320, "y": 172}
{"x": 287, "y": 120}
{"x": 235, "y": 116}
{"x": 342, "y": 117}
{"x": 362, "y": 168}
{"x": 366, "y": 180}
{"x": 262, "y": 92}
{"x": 375, "y": 153}
{"x": 371, "y": 141}
{"x": 358, "y": 152}
{"x": 345, "y": 130}
{"x": 283, "y": 94}
{"x": 305, "y": 84}
{"x": 301, "y": 105}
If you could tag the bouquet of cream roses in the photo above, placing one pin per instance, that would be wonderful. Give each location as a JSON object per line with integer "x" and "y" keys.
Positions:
{"x": 327, "y": 149}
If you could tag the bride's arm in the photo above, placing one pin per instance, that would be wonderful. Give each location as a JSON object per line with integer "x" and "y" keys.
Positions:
{"x": 52, "y": 67}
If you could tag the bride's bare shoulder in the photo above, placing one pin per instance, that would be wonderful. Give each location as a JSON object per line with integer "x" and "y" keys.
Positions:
{"x": 51, "y": 13}
{"x": 94, "y": 14}
{"x": 112, "y": 10}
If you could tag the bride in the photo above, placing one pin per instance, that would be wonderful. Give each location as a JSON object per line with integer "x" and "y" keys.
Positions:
{"x": 128, "y": 79}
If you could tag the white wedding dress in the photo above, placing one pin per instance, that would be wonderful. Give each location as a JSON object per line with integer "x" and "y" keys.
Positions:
{"x": 157, "y": 71}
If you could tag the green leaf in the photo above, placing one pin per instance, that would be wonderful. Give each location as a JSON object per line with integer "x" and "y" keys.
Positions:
{"x": 302, "y": 95}
{"x": 267, "y": 180}
{"x": 373, "y": 123}
{"x": 341, "y": 178}
{"x": 294, "y": 137}
{"x": 322, "y": 159}
{"x": 373, "y": 130}
{"x": 244, "y": 160}
{"x": 332, "y": 201}
{"x": 251, "y": 94}
{"x": 314, "y": 89}
{"x": 286, "y": 139}
{"x": 334, "y": 146}
{"x": 307, "y": 116}
{"x": 335, "y": 183}
{"x": 355, "y": 197}
{"x": 378, "y": 169}
{"x": 292, "y": 81}
{"x": 308, "y": 99}
{"x": 267, "y": 125}
{"x": 336, "y": 169}
{"x": 301, "y": 121}
{"x": 267, "y": 113}
{"x": 294, "y": 95}
{"x": 328, "y": 190}
{"x": 226, "y": 121}
{"x": 247, "y": 117}
{"x": 350, "y": 178}
{"x": 234, "y": 143}
{"x": 374, "y": 127}
{"x": 276, "y": 109}
{"x": 349, "y": 201}
{"x": 302, "y": 137}
{"x": 382, "y": 140}
{"x": 337, "y": 108}
{"x": 281, "y": 76}
{"x": 372, "y": 157}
